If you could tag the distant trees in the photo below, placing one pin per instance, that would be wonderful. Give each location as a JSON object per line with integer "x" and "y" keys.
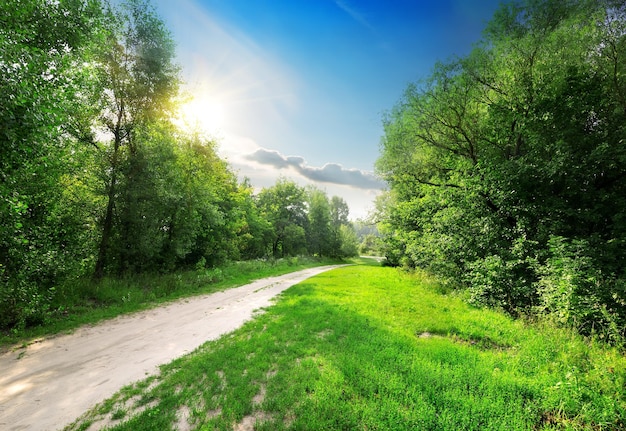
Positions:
{"x": 369, "y": 238}
{"x": 284, "y": 206}
{"x": 304, "y": 221}
{"x": 95, "y": 178}
{"x": 507, "y": 167}
{"x": 322, "y": 238}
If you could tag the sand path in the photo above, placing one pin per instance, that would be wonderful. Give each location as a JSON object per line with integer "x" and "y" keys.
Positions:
{"x": 50, "y": 383}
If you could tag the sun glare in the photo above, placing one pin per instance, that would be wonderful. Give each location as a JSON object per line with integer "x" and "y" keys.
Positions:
{"x": 204, "y": 113}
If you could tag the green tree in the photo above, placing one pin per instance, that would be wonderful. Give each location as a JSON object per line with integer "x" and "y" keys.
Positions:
{"x": 519, "y": 143}
{"x": 43, "y": 46}
{"x": 254, "y": 231}
{"x": 339, "y": 212}
{"x": 211, "y": 214}
{"x": 349, "y": 241}
{"x": 369, "y": 237}
{"x": 137, "y": 85}
{"x": 284, "y": 206}
{"x": 321, "y": 238}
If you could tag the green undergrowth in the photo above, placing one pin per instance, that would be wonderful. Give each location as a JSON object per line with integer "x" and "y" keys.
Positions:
{"x": 372, "y": 348}
{"x": 85, "y": 301}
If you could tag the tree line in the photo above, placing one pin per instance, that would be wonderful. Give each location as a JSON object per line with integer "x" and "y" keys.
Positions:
{"x": 507, "y": 167}
{"x": 97, "y": 180}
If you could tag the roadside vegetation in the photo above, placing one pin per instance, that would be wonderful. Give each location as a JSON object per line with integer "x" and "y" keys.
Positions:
{"x": 98, "y": 180}
{"x": 85, "y": 301}
{"x": 370, "y": 347}
{"x": 507, "y": 167}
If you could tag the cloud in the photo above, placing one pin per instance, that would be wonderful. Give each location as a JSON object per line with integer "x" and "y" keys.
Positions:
{"x": 331, "y": 173}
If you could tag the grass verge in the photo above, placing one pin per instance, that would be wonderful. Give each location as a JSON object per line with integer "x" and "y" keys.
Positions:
{"x": 84, "y": 301}
{"x": 371, "y": 348}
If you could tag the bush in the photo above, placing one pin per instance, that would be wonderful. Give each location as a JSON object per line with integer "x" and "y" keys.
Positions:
{"x": 22, "y": 304}
{"x": 574, "y": 291}
{"x": 501, "y": 283}
{"x": 505, "y": 280}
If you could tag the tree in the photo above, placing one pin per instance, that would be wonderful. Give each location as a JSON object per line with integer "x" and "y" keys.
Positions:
{"x": 503, "y": 152}
{"x": 215, "y": 215}
{"x": 349, "y": 241}
{"x": 255, "y": 231}
{"x": 137, "y": 84}
{"x": 284, "y": 206}
{"x": 369, "y": 237}
{"x": 321, "y": 238}
{"x": 43, "y": 46}
{"x": 341, "y": 229}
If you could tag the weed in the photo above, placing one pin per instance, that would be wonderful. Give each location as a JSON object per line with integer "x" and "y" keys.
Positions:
{"x": 118, "y": 414}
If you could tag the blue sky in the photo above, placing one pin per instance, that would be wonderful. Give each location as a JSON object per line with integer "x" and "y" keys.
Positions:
{"x": 298, "y": 88}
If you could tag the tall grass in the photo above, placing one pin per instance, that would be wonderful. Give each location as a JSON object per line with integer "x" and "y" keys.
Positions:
{"x": 370, "y": 348}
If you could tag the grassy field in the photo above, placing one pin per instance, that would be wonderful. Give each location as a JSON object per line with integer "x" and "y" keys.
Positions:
{"x": 85, "y": 301}
{"x": 372, "y": 348}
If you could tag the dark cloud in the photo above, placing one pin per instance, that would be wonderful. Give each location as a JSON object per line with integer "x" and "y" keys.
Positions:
{"x": 273, "y": 158}
{"x": 332, "y": 173}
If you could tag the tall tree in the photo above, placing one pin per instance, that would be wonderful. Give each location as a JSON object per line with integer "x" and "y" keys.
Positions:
{"x": 254, "y": 231}
{"x": 320, "y": 237}
{"x": 341, "y": 229}
{"x": 138, "y": 82}
{"x": 284, "y": 206}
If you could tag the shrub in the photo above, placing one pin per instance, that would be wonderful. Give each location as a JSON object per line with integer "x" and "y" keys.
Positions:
{"x": 23, "y": 304}
{"x": 574, "y": 291}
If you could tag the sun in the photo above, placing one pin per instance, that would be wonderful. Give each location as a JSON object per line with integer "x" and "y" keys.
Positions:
{"x": 203, "y": 112}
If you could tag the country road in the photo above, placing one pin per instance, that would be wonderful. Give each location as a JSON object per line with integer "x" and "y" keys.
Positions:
{"x": 50, "y": 383}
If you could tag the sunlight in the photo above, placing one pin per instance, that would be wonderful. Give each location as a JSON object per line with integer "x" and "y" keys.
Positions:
{"x": 203, "y": 112}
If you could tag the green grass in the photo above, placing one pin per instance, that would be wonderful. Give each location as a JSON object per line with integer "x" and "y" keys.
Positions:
{"x": 371, "y": 348}
{"x": 85, "y": 301}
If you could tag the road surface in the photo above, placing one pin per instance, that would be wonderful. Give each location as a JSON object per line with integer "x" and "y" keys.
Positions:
{"x": 49, "y": 384}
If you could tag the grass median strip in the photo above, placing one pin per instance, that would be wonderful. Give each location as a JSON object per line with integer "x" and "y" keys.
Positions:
{"x": 366, "y": 347}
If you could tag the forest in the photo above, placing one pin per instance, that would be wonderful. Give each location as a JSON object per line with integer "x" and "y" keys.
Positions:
{"x": 96, "y": 179}
{"x": 507, "y": 167}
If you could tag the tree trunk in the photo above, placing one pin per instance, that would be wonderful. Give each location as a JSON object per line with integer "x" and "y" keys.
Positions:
{"x": 107, "y": 228}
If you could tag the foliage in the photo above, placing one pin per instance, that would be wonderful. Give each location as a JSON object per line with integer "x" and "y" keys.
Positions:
{"x": 572, "y": 291}
{"x": 42, "y": 232}
{"x": 503, "y": 152}
{"x": 135, "y": 87}
{"x": 283, "y": 205}
{"x": 369, "y": 238}
{"x": 322, "y": 237}
{"x": 304, "y": 221}
{"x": 349, "y": 241}
{"x": 95, "y": 176}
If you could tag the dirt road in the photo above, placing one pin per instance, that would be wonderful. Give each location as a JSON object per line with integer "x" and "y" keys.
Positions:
{"x": 50, "y": 383}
